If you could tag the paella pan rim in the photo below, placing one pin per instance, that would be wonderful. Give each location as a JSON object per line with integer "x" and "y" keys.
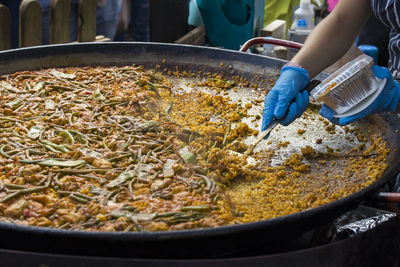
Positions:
{"x": 338, "y": 206}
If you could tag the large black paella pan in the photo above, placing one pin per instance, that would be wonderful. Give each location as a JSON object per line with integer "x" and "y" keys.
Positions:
{"x": 187, "y": 243}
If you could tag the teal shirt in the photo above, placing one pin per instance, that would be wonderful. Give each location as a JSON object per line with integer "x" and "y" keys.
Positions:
{"x": 228, "y": 23}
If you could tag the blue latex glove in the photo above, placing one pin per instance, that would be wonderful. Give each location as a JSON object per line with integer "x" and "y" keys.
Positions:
{"x": 279, "y": 102}
{"x": 386, "y": 101}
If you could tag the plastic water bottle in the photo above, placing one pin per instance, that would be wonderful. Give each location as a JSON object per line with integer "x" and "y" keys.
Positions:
{"x": 303, "y": 22}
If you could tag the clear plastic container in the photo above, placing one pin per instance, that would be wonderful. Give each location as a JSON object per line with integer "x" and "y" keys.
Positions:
{"x": 350, "y": 88}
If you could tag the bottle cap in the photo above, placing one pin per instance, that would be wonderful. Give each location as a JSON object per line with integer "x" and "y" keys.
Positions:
{"x": 305, "y": 3}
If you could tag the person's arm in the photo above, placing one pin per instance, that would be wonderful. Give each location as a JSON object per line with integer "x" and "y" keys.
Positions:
{"x": 333, "y": 36}
{"x": 328, "y": 42}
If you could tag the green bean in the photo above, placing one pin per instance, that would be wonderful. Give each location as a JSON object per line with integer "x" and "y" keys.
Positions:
{"x": 82, "y": 196}
{"x": 78, "y": 199}
{"x": 66, "y": 163}
{"x": 169, "y": 108}
{"x": 80, "y": 171}
{"x": 167, "y": 214}
{"x": 9, "y": 119}
{"x": 210, "y": 184}
{"x": 163, "y": 196}
{"x": 50, "y": 148}
{"x": 227, "y": 133}
{"x": 196, "y": 208}
{"x": 65, "y": 88}
{"x": 105, "y": 145}
{"x": 4, "y": 154}
{"x": 33, "y": 161}
{"x": 67, "y": 137}
{"x": 110, "y": 195}
{"x": 23, "y": 192}
{"x": 14, "y": 186}
{"x": 33, "y": 118}
{"x": 69, "y": 193}
{"x": 42, "y": 181}
{"x": 153, "y": 88}
{"x": 36, "y": 152}
{"x": 122, "y": 157}
{"x": 26, "y": 76}
{"x": 82, "y": 136}
{"x": 146, "y": 158}
{"x": 55, "y": 178}
{"x": 58, "y": 148}
{"x": 131, "y": 184}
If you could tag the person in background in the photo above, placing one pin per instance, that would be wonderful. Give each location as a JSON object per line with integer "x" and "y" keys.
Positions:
{"x": 140, "y": 20}
{"x": 106, "y": 23}
{"x": 108, "y": 12}
{"x": 45, "y": 5}
{"x": 134, "y": 21}
{"x": 228, "y": 23}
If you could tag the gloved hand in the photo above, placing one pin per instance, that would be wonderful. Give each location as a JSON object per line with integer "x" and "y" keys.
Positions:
{"x": 386, "y": 101}
{"x": 278, "y": 101}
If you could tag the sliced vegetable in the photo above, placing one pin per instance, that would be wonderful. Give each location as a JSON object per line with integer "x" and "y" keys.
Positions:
{"x": 49, "y": 104}
{"x": 38, "y": 86}
{"x": 35, "y": 131}
{"x": 168, "y": 171}
{"x": 144, "y": 171}
{"x": 62, "y": 75}
{"x": 187, "y": 156}
{"x": 90, "y": 153}
{"x": 98, "y": 95}
{"x": 134, "y": 216}
{"x": 68, "y": 138}
{"x": 122, "y": 178}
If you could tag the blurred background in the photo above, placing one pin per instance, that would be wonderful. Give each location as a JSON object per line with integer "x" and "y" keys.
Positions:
{"x": 220, "y": 23}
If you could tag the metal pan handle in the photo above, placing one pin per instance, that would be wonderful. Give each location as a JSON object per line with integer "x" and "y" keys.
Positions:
{"x": 263, "y": 40}
{"x": 274, "y": 41}
{"x": 391, "y": 197}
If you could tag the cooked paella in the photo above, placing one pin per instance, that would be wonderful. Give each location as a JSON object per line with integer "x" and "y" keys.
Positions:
{"x": 134, "y": 149}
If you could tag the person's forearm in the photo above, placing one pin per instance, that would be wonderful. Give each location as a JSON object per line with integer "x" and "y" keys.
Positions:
{"x": 333, "y": 36}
